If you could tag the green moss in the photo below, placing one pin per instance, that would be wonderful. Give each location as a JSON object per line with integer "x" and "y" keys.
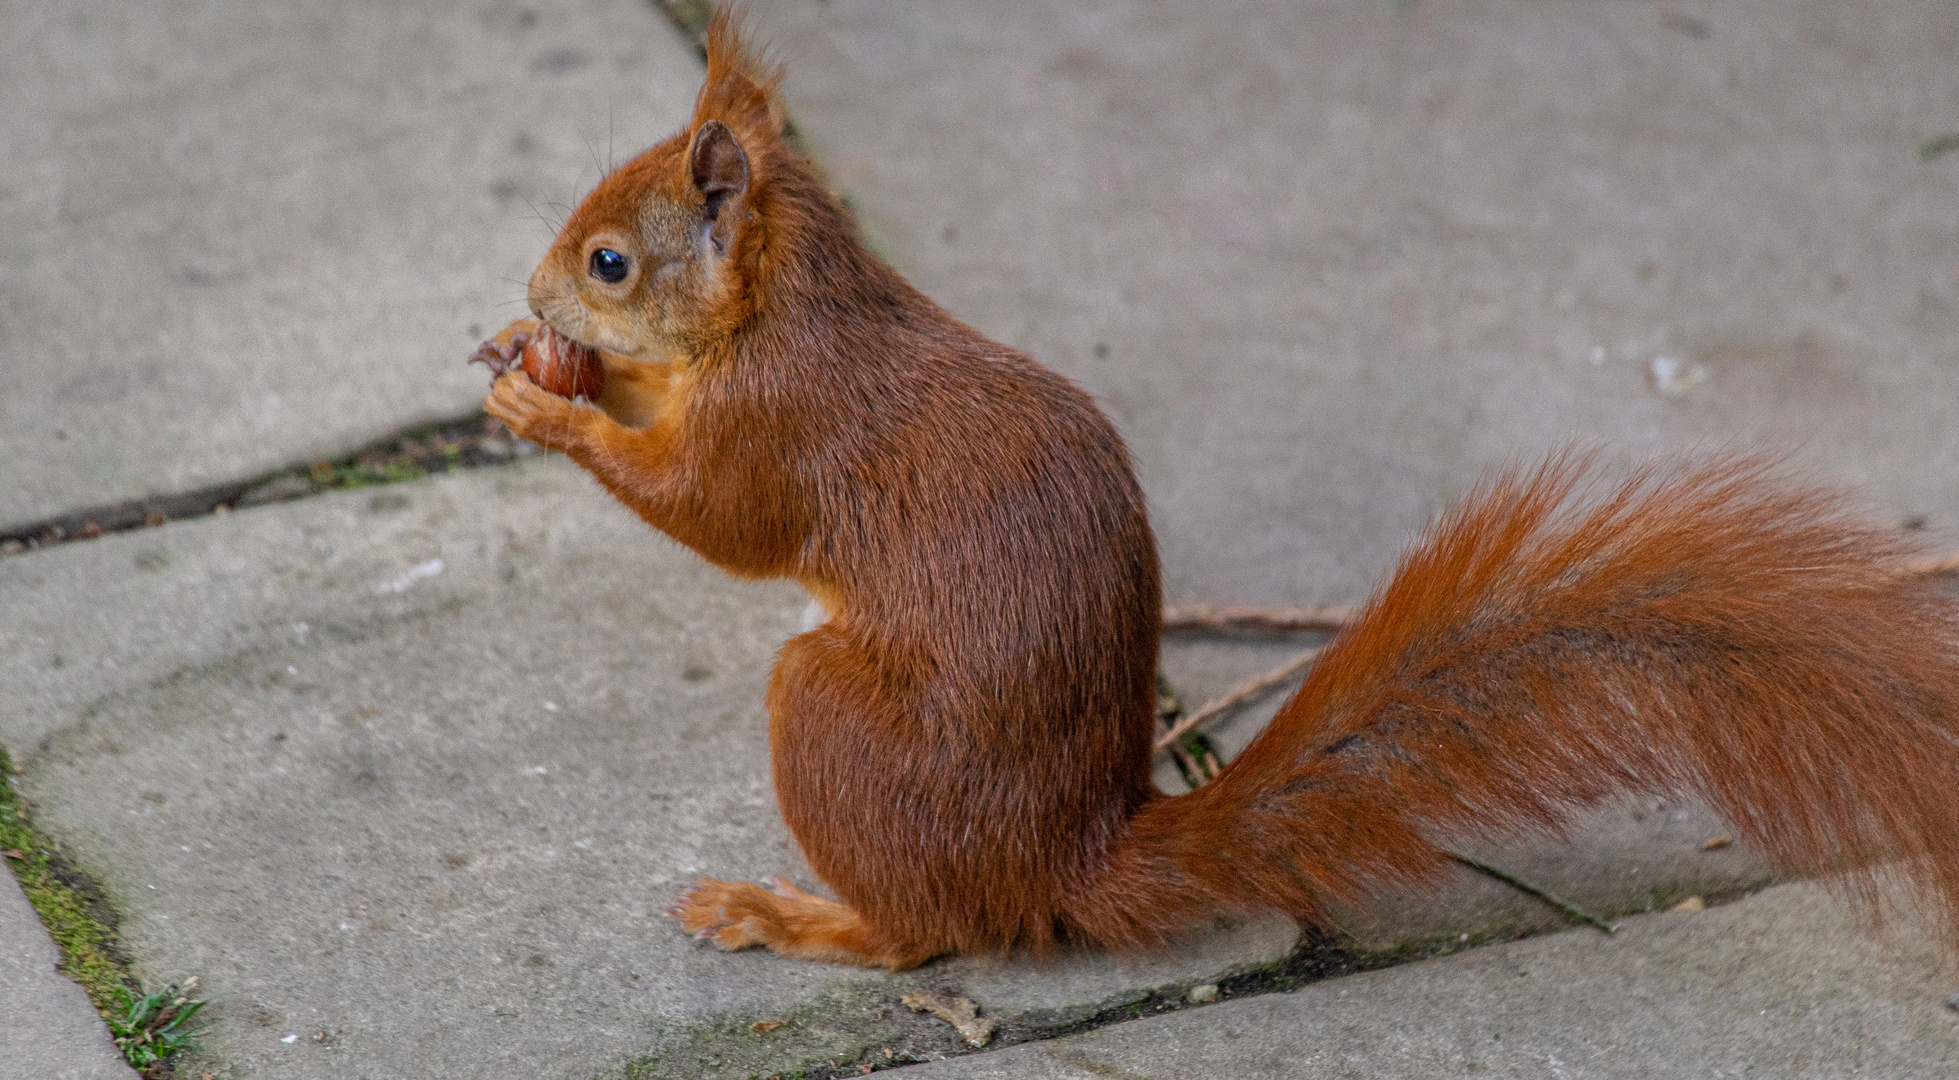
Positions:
{"x": 72, "y": 907}
{"x": 363, "y": 474}
{"x": 150, "y": 1028}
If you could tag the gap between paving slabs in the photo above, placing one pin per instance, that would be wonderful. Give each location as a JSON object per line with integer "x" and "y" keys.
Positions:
{"x": 463, "y": 442}
{"x": 863, "y": 1030}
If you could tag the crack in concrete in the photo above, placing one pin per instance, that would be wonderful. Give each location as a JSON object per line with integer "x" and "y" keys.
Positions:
{"x": 466, "y": 442}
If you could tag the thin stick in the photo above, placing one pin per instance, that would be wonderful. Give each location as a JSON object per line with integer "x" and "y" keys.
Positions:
{"x": 1231, "y": 617}
{"x": 1521, "y": 885}
{"x": 1238, "y": 695}
{"x": 1942, "y": 566}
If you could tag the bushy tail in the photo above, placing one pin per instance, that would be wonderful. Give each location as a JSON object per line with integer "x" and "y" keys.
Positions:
{"x": 1707, "y": 631}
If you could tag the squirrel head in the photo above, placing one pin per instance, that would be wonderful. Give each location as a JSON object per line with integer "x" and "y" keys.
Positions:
{"x": 665, "y": 254}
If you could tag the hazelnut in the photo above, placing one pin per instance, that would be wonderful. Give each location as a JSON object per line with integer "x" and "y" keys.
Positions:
{"x": 563, "y": 366}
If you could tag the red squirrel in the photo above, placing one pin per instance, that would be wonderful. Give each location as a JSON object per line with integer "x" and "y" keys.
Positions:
{"x": 963, "y": 748}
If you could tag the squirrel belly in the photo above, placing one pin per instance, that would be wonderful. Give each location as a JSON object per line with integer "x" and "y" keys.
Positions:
{"x": 962, "y": 745}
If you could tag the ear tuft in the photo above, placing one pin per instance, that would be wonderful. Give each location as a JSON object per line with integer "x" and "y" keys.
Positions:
{"x": 742, "y": 81}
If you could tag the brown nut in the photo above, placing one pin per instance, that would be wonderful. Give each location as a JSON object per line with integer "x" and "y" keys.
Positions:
{"x": 563, "y": 366}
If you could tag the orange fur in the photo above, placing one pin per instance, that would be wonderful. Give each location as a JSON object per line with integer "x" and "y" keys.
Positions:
{"x": 1705, "y": 630}
{"x": 963, "y": 749}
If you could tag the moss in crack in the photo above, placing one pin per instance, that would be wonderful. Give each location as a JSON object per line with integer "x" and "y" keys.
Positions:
{"x": 151, "y": 1028}
{"x": 443, "y": 446}
{"x": 72, "y": 906}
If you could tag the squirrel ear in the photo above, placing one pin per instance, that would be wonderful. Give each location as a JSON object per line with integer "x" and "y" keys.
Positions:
{"x": 720, "y": 172}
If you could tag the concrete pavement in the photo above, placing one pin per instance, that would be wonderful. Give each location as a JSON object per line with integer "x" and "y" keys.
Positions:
{"x": 1779, "y": 985}
{"x": 425, "y": 776}
{"x": 1324, "y": 263}
{"x": 410, "y": 773}
{"x": 48, "y": 1030}
{"x": 243, "y": 236}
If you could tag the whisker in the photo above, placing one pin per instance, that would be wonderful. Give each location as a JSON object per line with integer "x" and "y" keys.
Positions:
{"x": 555, "y": 227}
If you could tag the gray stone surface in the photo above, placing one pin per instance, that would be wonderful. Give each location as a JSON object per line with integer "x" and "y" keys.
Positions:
{"x": 437, "y": 814}
{"x": 48, "y": 1029}
{"x": 236, "y": 235}
{"x": 1322, "y": 262}
{"x": 1344, "y": 257}
{"x": 1782, "y": 985}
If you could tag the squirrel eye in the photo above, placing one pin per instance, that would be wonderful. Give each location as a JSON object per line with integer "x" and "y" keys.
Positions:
{"x": 608, "y": 266}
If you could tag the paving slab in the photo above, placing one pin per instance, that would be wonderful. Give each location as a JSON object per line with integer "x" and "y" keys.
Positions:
{"x": 1323, "y": 263}
{"x": 236, "y": 236}
{"x": 1326, "y": 262}
{"x": 48, "y": 1029}
{"x": 1784, "y": 984}
{"x": 408, "y": 776}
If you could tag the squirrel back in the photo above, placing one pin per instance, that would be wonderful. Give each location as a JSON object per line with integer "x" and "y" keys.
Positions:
{"x": 962, "y": 749}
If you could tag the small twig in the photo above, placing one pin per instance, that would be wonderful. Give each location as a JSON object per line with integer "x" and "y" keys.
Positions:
{"x": 1279, "y": 619}
{"x": 1237, "y": 696}
{"x": 1521, "y": 885}
{"x": 1195, "y": 757}
{"x": 1941, "y": 566}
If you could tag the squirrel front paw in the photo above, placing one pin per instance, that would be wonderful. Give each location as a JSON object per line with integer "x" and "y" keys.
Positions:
{"x": 502, "y": 352}
{"x": 534, "y": 413}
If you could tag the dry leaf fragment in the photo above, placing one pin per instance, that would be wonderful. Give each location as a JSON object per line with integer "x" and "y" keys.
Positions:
{"x": 763, "y": 1027}
{"x": 961, "y": 1013}
{"x": 1717, "y": 843}
{"x": 1692, "y": 903}
{"x": 14, "y": 853}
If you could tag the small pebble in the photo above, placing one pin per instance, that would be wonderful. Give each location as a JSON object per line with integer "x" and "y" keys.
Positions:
{"x": 1204, "y": 995}
{"x": 1952, "y": 1001}
{"x": 1692, "y": 903}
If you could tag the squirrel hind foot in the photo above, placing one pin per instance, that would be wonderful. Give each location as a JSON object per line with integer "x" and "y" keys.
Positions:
{"x": 787, "y": 920}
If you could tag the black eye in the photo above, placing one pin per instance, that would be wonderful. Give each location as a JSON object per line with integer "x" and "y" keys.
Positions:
{"x": 608, "y": 266}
